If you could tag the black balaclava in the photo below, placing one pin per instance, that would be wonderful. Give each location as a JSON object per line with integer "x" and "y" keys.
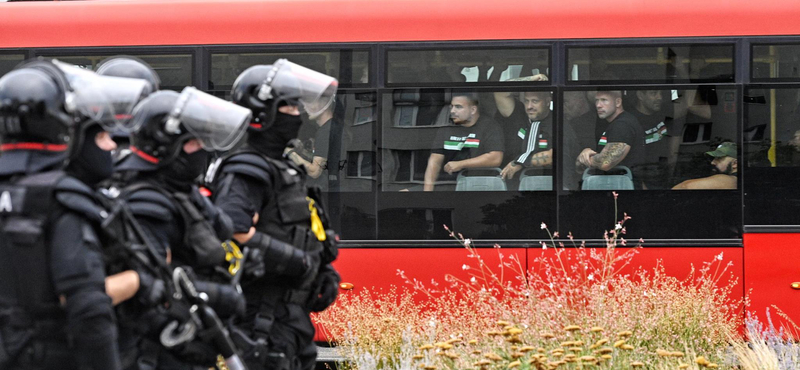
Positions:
{"x": 92, "y": 164}
{"x": 182, "y": 172}
{"x": 273, "y": 140}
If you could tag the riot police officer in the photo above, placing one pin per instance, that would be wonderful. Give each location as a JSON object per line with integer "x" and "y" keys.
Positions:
{"x": 278, "y": 218}
{"x": 54, "y": 312}
{"x": 169, "y": 151}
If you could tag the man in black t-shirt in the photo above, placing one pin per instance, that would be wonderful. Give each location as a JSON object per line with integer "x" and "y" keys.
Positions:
{"x": 532, "y": 123}
{"x": 622, "y": 142}
{"x": 473, "y": 141}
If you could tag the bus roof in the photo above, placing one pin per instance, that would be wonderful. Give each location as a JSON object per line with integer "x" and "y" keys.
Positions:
{"x": 193, "y": 22}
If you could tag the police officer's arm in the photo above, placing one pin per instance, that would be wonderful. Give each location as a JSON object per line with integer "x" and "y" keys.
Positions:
{"x": 79, "y": 278}
{"x": 610, "y": 156}
{"x": 718, "y": 181}
{"x": 435, "y": 162}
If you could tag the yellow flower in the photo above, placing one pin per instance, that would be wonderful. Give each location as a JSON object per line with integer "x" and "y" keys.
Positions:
{"x": 453, "y": 341}
{"x": 515, "y": 331}
{"x": 493, "y": 356}
{"x": 577, "y": 343}
{"x": 566, "y": 344}
{"x": 626, "y": 347}
{"x": 637, "y": 364}
{"x": 701, "y": 361}
{"x": 452, "y": 356}
{"x": 444, "y": 345}
{"x": 619, "y": 343}
{"x": 482, "y": 363}
{"x": 712, "y": 365}
{"x": 473, "y": 341}
{"x": 604, "y": 350}
{"x": 503, "y": 323}
{"x": 429, "y": 367}
{"x": 526, "y": 349}
{"x": 541, "y": 350}
{"x": 677, "y": 354}
{"x": 476, "y": 352}
{"x": 572, "y": 328}
{"x": 594, "y": 346}
{"x": 493, "y": 333}
{"x": 425, "y": 347}
{"x": 514, "y": 339}
{"x": 576, "y": 349}
{"x": 417, "y": 357}
{"x": 588, "y": 358}
{"x": 602, "y": 341}
{"x": 596, "y": 329}
{"x": 517, "y": 355}
{"x": 663, "y": 353}
{"x": 683, "y": 366}
{"x": 624, "y": 334}
{"x": 606, "y": 357}
{"x": 514, "y": 364}
{"x": 548, "y": 335}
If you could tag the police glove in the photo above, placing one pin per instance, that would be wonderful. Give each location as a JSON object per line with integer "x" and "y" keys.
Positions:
{"x": 326, "y": 289}
{"x": 279, "y": 258}
{"x": 151, "y": 291}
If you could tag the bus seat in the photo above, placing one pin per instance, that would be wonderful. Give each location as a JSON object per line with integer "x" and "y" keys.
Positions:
{"x": 537, "y": 182}
{"x": 480, "y": 179}
{"x": 617, "y": 178}
{"x": 406, "y": 107}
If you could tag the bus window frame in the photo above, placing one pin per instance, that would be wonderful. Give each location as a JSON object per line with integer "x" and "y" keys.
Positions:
{"x": 370, "y": 48}
{"x": 769, "y": 41}
{"x": 465, "y": 45}
{"x": 657, "y": 42}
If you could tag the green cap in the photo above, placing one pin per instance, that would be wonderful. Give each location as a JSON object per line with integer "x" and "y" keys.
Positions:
{"x": 727, "y": 149}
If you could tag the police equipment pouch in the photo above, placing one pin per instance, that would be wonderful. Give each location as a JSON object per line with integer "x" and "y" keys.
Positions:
{"x": 199, "y": 235}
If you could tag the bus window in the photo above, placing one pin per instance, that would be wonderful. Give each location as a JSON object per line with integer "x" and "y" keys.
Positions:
{"x": 776, "y": 62}
{"x": 466, "y": 65}
{"x": 455, "y": 140}
{"x": 9, "y": 61}
{"x": 350, "y": 67}
{"x": 666, "y": 137}
{"x": 654, "y": 64}
{"x": 772, "y": 155}
{"x": 174, "y": 70}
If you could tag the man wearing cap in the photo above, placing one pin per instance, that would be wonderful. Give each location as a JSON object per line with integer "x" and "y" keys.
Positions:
{"x": 725, "y": 163}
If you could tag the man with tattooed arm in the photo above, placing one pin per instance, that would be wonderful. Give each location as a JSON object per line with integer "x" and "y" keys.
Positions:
{"x": 621, "y": 143}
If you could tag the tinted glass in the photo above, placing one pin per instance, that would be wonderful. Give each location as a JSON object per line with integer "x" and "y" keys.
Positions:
{"x": 443, "y": 155}
{"x": 9, "y": 61}
{"x": 776, "y": 62}
{"x": 699, "y": 63}
{"x": 174, "y": 70}
{"x": 666, "y": 135}
{"x": 475, "y": 65}
{"x": 338, "y": 153}
{"x": 772, "y": 156}
{"x": 350, "y": 67}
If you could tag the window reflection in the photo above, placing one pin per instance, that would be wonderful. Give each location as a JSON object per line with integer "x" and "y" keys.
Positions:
{"x": 175, "y": 70}
{"x": 9, "y": 61}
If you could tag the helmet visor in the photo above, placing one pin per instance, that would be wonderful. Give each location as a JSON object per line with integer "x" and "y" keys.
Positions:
{"x": 216, "y": 123}
{"x": 314, "y": 90}
{"x": 107, "y": 100}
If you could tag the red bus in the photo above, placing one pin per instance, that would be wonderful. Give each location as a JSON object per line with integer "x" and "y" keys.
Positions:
{"x": 717, "y": 71}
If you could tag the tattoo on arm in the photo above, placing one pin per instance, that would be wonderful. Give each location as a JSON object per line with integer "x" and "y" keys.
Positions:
{"x": 540, "y": 160}
{"x": 612, "y": 154}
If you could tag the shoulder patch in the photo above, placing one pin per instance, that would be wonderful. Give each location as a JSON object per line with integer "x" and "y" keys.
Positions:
{"x": 79, "y": 197}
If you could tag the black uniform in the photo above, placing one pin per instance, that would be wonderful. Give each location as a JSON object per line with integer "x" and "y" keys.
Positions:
{"x": 279, "y": 301}
{"x": 54, "y": 314}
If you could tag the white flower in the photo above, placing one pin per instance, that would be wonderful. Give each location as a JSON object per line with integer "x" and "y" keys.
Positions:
{"x": 464, "y": 267}
{"x": 719, "y": 256}
{"x": 467, "y": 242}
{"x": 618, "y": 226}
{"x": 551, "y": 285}
{"x": 544, "y": 226}
{"x": 473, "y": 280}
{"x": 544, "y": 246}
{"x": 591, "y": 277}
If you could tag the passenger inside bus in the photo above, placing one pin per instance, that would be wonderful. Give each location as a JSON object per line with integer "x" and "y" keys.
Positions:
{"x": 527, "y": 124}
{"x": 580, "y": 121}
{"x": 473, "y": 141}
{"x": 621, "y": 142}
{"x": 726, "y": 167}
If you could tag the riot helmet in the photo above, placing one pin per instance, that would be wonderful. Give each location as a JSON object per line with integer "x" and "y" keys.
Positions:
{"x": 167, "y": 120}
{"x": 262, "y": 89}
{"x": 130, "y": 67}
